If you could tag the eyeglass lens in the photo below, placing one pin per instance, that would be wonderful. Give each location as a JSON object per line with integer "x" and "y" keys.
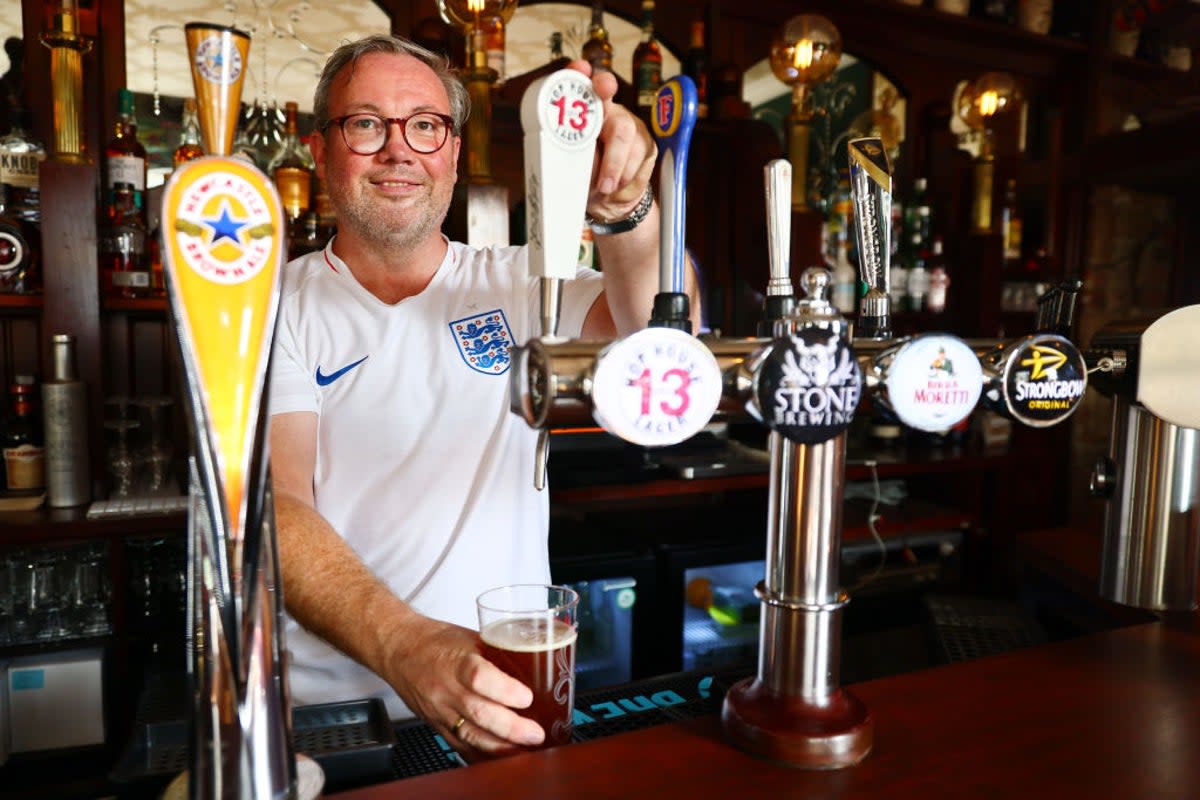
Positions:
{"x": 367, "y": 133}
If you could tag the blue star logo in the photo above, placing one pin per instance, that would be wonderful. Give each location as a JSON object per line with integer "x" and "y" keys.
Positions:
{"x": 225, "y": 227}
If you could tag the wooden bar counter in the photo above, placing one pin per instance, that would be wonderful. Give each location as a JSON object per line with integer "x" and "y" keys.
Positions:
{"x": 1109, "y": 715}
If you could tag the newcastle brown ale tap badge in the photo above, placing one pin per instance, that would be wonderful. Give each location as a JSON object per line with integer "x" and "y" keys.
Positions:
{"x": 809, "y": 386}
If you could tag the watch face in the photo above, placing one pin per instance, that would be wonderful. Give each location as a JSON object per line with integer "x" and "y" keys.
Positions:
{"x": 1043, "y": 380}
{"x": 809, "y": 386}
{"x": 934, "y": 382}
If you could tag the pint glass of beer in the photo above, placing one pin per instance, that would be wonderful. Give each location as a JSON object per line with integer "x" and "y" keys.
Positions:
{"x": 529, "y": 632}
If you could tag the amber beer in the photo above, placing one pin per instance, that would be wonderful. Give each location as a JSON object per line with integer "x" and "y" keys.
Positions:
{"x": 529, "y": 632}
{"x": 219, "y": 59}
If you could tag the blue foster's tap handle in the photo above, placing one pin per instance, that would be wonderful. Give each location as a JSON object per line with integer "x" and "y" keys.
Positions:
{"x": 673, "y": 119}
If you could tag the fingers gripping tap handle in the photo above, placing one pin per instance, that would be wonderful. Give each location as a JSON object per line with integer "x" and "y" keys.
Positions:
{"x": 673, "y": 120}
{"x": 561, "y": 116}
{"x": 871, "y": 189}
{"x": 780, "y": 299}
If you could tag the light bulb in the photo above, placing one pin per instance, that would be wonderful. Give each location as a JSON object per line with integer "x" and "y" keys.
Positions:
{"x": 990, "y": 94}
{"x": 806, "y": 51}
{"x": 466, "y": 14}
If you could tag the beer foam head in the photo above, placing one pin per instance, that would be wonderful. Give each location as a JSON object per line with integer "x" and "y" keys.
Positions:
{"x": 529, "y": 635}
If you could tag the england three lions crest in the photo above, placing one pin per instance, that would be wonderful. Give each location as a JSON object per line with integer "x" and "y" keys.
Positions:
{"x": 484, "y": 341}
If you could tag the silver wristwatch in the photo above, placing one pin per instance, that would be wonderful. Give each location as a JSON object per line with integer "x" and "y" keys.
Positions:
{"x": 622, "y": 225}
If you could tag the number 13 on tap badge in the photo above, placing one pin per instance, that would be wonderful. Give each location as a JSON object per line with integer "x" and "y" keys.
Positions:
{"x": 661, "y": 385}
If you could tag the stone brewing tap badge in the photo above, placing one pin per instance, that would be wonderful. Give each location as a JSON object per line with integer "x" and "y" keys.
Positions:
{"x": 809, "y": 386}
{"x": 934, "y": 382}
{"x": 1040, "y": 381}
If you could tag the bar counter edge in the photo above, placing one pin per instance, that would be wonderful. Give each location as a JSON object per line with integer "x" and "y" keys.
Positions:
{"x": 1114, "y": 714}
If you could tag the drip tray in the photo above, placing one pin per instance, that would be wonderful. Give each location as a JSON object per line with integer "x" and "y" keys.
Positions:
{"x": 351, "y": 741}
{"x": 356, "y": 745}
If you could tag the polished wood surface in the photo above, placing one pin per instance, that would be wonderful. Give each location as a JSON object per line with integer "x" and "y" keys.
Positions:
{"x": 1112, "y": 715}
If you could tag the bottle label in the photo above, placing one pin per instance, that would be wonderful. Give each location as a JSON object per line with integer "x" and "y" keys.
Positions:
{"x": 139, "y": 279}
{"x": 25, "y": 466}
{"x": 649, "y": 79}
{"x": 20, "y": 169}
{"x": 127, "y": 169}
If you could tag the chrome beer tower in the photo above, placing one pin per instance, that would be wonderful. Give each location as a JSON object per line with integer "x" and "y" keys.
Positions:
{"x": 224, "y": 250}
{"x": 802, "y": 378}
{"x": 1150, "y": 478}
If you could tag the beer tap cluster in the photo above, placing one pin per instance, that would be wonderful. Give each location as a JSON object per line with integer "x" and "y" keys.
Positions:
{"x": 802, "y": 377}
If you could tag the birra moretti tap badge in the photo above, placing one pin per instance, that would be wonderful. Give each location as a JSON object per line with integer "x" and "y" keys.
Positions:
{"x": 809, "y": 386}
{"x": 1044, "y": 380}
{"x": 934, "y": 382}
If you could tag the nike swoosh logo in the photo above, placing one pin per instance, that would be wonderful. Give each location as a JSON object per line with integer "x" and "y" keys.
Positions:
{"x": 325, "y": 380}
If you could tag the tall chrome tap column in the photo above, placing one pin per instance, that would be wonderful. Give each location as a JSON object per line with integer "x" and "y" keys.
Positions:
{"x": 224, "y": 250}
{"x": 807, "y": 385}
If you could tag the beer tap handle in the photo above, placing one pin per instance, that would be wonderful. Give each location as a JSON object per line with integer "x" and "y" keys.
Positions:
{"x": 561, "y": 116}
{"x": 1056, "y": 308}
{"x": 871, "y": 189}
{"x": 781, "y": 297}
{"x": 673, "y": 120}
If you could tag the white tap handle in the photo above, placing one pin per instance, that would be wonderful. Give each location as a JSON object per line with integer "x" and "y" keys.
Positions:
{"x": 561, "y": 116}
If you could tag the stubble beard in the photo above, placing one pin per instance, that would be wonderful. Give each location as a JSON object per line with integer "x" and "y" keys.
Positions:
{"x": 396, "y": 227}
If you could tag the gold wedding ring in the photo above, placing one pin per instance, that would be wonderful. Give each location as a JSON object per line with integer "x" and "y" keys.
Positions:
{"x": 457, "y": 725}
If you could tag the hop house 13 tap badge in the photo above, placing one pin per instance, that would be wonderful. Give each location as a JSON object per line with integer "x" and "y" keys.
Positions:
{"x": 809, "y": 386}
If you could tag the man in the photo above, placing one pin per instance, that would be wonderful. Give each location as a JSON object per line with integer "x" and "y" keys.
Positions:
{"x": 403, "y": 485}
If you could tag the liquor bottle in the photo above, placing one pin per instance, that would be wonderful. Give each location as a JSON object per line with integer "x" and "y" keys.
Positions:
{"x": 189, "y": 135}
{"x": 918, "y": 222}
{"x": 939, "y": 279}
{"x": 494, "y": 46}
{"x": 125, "y": 160}
{"x": 20, "y": 224}
{"x": 598, "y": 50}
{"x": 24, "y": 454}
{"x": 326, "y": 216}
{"x": 64, "y": 411}
{"x": 1010, "y": 224}
{"x": 845, "y": 280}
{"x": 124, "y": 267}
{"x": 647, "y": 62}
{"x": 695, "y": 66}
{"x": 308, "y": 238}
{"x": 291, "y": 167}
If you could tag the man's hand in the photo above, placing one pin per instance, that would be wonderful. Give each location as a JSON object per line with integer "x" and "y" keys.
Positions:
{"x": 625, "y": 154}
{"x": 438, "y": 672}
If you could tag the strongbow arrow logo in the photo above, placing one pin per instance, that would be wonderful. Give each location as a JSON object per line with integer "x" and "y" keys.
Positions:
{"x": 224, "y": 229}
{"x": 1045, "y": 380}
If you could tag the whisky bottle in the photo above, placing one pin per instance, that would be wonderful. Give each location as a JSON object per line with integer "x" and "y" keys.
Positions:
{"x": 647, "y": 62}
{"x": 1010, "y": 224}
{"x": 291, "y": 167}
{"x": 24, "y": 454}
{"x": 695, "y": 66}
{"x": 124, "y": 268}
{"x": 20, "y": 216}
{"x": 189, "y": 135}
{"x": 125, "y": 160}
{"x": 64, "y": 410}
{"x": 598, "y": 50}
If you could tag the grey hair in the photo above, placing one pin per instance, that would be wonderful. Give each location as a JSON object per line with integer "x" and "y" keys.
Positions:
{"x": 348, "y": 55}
